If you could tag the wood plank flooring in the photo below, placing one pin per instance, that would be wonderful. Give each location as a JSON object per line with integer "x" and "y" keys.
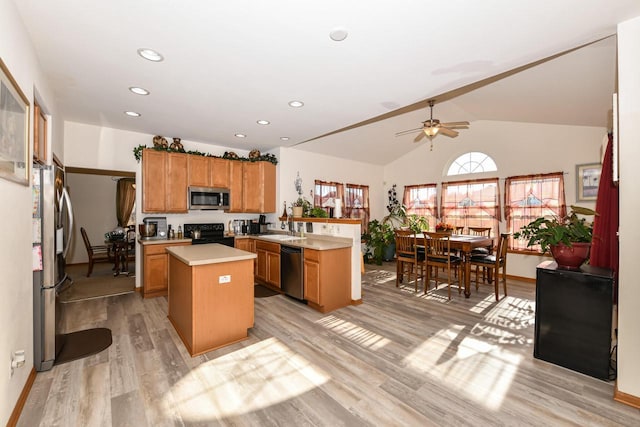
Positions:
{"x": 399, "y": 359}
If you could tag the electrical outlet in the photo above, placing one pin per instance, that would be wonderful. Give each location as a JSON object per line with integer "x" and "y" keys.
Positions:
{"x": 224, "y": 279}
{"x": 17, "y": 360}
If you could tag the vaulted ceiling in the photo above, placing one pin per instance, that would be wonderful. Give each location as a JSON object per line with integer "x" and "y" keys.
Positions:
{"x": 229, "y": 64}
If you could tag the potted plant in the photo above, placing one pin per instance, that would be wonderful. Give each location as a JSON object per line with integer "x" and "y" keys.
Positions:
{"x": 301, "y": 207}
{"x": 318, "y": 212}
{"x": 445, "y": 227}
{"x": 378, "y": 238}
{"x": 568, "y": 238}
{"x": 417, "y": 223}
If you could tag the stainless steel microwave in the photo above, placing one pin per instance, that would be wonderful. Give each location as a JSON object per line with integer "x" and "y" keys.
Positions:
{"x": 208, "y": 198}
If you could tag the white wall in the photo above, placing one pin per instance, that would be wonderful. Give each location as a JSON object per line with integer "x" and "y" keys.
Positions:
{"x": 629, "y": 286}
{"x": 517, "y": 148}
{"x": 16, "y": 294}
{"x": 94, "y": 208}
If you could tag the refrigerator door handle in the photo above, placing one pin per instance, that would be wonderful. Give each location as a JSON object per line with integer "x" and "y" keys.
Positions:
{"x": 66, "y": 201}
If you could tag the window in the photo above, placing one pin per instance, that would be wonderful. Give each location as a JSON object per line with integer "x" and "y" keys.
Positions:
{"x": 421, "y": 200}
{"x": 473, "y": 203}
{"x": 325, "y": 194}
{"x": 529, "y": 197}
{"x": 356, "y": 203}
{"x": 473, "y": 162}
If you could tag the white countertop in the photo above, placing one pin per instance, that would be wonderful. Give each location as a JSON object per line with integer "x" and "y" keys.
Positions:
{"x": 143, "y": 241}
{"x": 323, "y": 243}
{"x": 212, "y": 253}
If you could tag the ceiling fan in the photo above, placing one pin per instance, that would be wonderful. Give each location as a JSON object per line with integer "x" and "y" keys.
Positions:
{"x": 432, "y": 127}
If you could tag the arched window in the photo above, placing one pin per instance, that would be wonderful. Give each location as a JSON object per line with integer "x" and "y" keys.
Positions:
{"x": 473, "y": 162}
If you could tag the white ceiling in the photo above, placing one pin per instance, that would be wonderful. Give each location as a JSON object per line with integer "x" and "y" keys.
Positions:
{"x": 229, "y": 64}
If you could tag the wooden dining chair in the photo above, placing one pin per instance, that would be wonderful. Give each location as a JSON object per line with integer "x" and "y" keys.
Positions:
{"x": 407, "y": 257}
{"x": 493, "y": 263}
{"x": 459, "y": 229}
{"x": 98, "y": 253}
{"x": 438, "y": 255}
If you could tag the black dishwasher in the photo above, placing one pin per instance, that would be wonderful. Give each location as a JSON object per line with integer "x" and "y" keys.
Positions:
{"x": 291, "y": 270}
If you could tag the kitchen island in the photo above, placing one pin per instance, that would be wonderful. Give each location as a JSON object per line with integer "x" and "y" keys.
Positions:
{"x": 210, "y": 295}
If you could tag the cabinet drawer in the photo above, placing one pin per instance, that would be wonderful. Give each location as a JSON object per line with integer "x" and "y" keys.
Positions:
{"x": 267, "y": 246}
{"x": 311, "y": 255}
{"x": 160, "y": 248}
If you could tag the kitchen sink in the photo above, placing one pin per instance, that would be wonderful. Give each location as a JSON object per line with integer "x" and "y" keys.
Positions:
{"x": 281, "y": 237}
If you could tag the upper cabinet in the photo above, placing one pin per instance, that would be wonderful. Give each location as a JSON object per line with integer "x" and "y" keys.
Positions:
{"x": 164, "y": 182}
{"x": 166, "y": 177}
{"x": 259, "y": 192}
{"x": 199, "y": 171}
{"x": 39, "y": 135}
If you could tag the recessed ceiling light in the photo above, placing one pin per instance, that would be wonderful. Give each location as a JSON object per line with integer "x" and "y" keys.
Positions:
{"x": 284, "y": 138}
{"x": 150, "y": 54}
{"x": 132, "y": 114}
{"x": 263, "y": 122}
{"x": 338, "y": 34}
{"x": 139, "y": 90}
{"x": 240, "y": 135}
{"x": 296, "y": 104}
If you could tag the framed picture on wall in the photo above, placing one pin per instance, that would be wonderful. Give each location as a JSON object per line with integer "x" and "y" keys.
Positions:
{"x": 587, "y": 181}
{"x": 14, "y": 129}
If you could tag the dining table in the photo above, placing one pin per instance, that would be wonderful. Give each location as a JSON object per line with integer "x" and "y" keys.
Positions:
{"x": 464, "y": 244}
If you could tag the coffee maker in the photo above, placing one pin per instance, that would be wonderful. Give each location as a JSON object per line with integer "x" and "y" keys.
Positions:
{"x": 161, "y": 226}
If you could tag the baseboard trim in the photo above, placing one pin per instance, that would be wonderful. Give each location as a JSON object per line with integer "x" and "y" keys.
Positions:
{"x": 17, "y": 410}
{"x": 356, "y": 301}
{"x": 627, "y": 399}
{"x": 521, "y": 278}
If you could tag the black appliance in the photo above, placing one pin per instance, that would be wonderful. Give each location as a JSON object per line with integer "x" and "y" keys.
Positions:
{"x": 208, "y": 198}
{"x": 573, "y": 318}
{"x": 209, "y": 233}
{"x": 291, "y": 271}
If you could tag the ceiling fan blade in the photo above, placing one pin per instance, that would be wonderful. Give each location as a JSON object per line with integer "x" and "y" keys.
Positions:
{"x": 446, "y": 131}
{"x": 455, "y": 124}
{"x": 405, "y": 132}
{"x": 419, "y": 137}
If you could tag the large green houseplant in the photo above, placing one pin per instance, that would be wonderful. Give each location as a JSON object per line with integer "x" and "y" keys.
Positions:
{"x": 569, "y": 236}
{"x": 378, "y": 237}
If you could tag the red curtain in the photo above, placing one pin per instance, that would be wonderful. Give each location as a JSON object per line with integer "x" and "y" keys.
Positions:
{"x": 604, "y": 248}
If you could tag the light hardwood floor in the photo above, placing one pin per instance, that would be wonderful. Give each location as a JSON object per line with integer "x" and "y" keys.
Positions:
{"x": 399, "y": 359}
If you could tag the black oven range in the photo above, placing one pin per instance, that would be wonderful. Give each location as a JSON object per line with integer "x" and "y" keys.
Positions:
{"x": 209, "y": 233}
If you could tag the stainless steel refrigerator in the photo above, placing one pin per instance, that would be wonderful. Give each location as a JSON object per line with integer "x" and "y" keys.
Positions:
{"x": 52, "y": 228}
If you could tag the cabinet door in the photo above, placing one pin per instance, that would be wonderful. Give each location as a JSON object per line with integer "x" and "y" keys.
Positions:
{"x": 219, "y": 169}
{"x": 155, "y": 274}
{"x": 154, "y": 175}
{"x": 261, "y": 268}
{"x": 242, "y": 244}
{"x": 253, "y": 188}
{"x": 273, "y": 269}
{"x": 235, "y": 185}
{"x": 199, "y": 171}
{"x": 177, "y": 182}
{"x": 268, "y": 187}
{"x": 312, "y": 281}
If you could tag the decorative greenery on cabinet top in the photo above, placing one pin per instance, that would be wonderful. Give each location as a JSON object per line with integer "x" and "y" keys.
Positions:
{"x": 230, "y": 155}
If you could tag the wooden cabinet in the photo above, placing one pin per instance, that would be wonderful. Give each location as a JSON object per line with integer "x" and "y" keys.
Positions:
{"x": 235, "y": 186}
{"x": 259, "y": 192}
{"x": 327, "y": 278}
{"x": 155, "y": 263}
{"x": 164, "y": 182}
{"x": 249, "y": 245}
{"x": 199, "y": 171}
{"x": 39, "y": 135}
{"x": 268, "y": 263}
{"x": 219, "y": 172}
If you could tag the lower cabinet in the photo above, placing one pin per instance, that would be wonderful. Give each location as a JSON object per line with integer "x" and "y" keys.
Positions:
{"x": 268, "y": 263}
{"x": 155, "y": 269}
{"x": 327, "y": 278}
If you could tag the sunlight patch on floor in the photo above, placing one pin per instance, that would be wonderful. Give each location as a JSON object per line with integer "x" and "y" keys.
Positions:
{"x": 357, "y": 334}
{"x": 479, "y": 368}
{"x": 246, "y": 380}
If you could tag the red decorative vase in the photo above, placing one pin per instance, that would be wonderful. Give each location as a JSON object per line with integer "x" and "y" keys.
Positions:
{"x": 570, "y": 256}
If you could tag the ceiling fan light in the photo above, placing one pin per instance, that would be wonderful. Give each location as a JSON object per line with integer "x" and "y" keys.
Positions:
{"x": 431, "y": 132}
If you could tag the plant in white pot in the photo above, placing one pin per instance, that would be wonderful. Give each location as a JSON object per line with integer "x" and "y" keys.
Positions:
{"x": 568, "y": 238}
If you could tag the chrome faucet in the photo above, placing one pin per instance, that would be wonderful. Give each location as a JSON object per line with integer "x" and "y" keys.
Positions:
{"x": 291, "y": 226}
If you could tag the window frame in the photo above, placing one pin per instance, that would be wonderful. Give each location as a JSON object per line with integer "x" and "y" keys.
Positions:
{"x": 495, "y": 217}
{"x": 430, "y": 211}
{"x": 365, "y": 209}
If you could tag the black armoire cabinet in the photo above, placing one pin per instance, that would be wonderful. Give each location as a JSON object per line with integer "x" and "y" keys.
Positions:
{"x": 573, "y": 318}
